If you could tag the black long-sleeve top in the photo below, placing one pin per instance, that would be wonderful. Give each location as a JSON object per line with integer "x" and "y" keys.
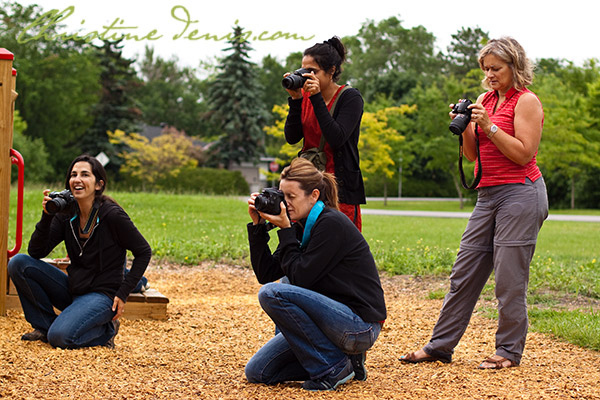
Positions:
{"x": 341, "y": 132}
{"x": 337, "y": 262}
{"x": 97, "y": 264}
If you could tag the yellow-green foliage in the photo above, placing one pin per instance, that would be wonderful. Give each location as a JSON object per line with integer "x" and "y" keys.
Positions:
{"x": 376, "y": 143}
{"x": 287, "y": 152}
{"x": 152, "y": 162}
{"x": 377, "y": 140}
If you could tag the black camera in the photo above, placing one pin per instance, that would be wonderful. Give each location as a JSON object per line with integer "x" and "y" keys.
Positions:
{"x": 269, "y": 201}
{"x": 60, "y": 200}
{"x": 295, "y": 80}
{"x": 463, "y": 116}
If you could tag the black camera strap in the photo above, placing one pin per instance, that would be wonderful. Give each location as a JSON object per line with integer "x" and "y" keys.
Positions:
{"x": 91, "y": 218}
{"x": 460, "y": 162}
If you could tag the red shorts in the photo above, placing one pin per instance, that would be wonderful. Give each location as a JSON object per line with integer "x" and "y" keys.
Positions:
{"x": 353, "y": 212}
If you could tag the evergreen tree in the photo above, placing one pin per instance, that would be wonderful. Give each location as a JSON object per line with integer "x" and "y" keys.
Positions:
{"x": 235, "y": 98}
{"x": 116, "y": 108}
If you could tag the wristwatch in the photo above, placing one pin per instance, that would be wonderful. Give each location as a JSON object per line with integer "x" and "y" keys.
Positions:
{"x": 493, "y": 131}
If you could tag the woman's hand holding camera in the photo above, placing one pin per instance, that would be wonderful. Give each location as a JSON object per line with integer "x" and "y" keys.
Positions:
{"x": 480, "y": 116}
{"x": 312, "y": 84}
{"x": 282, "y": 220}
{"x": 254, "y": 214}
{"x": 294, "y": 93}
{"x": 46, "y": 199}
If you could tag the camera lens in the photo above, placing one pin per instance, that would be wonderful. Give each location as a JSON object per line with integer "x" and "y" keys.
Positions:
{"x": 295, "y": 80}
{"x": 55, "y": 205}
{"x": 459, "y": 123}
{"x": 463, "y": 116}
{"x": 292, "y": 82}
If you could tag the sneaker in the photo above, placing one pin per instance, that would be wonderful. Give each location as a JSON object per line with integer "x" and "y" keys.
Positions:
{"x": 35, "y": 335}
{"x": 331, "y": 381}
{"x": 111, "y": 342}
{"x": 358, "y": 364}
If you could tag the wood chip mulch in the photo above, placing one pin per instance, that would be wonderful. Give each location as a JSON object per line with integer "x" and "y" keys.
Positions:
{"x": 215, "y": 325}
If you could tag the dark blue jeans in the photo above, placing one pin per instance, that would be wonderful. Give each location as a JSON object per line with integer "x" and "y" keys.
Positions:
{"x": 84, "y": 321}
{"x": 316, "y": 335}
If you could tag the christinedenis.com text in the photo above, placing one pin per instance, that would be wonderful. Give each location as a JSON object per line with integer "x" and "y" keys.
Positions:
{"x": 184, "y": 28}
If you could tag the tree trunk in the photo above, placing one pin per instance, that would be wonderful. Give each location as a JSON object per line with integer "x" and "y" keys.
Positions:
{"x": 458, "y": 191}
{"x": 572, "y": 193}
{"x": 384, "y": 191}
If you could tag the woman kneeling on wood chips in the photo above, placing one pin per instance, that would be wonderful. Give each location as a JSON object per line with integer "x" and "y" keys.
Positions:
{"x": 97, "y": 234}
{"x": 333, "y": 308}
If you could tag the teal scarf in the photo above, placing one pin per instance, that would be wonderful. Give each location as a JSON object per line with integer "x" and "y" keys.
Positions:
{"x": 310, "y": 221}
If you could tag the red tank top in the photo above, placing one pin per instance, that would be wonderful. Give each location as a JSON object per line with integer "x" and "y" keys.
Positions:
{"x": 312, "y": 130}
{"x": 497, "y": 168}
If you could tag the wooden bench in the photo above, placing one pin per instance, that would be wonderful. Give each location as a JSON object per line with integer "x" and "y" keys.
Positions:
{"x": 150, "y": 304}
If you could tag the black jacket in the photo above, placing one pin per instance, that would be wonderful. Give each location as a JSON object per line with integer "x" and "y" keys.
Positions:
{"x": 96, "y": 263}
{"x": 336, "y": 263}
{"x": 341, "y": 133}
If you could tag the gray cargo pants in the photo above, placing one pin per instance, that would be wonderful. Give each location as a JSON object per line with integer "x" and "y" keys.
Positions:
{"x": 500, "y": 236}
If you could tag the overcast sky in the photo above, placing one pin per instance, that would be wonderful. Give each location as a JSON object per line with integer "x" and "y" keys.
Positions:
{"x": 546, "y": 28}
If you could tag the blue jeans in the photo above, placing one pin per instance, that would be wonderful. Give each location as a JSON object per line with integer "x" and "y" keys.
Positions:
{"x": 84, "y": 321}
{"x": 316, "y": 334}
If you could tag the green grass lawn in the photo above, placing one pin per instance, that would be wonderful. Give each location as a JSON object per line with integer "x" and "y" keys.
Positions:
{"x": 188, "y": 229}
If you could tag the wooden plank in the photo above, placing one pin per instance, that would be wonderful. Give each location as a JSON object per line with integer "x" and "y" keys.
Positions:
{"x": 150, "y": 304}
{"x": 154, "y": 296}
{"x": 13, "y": 302}
{"x": 133, "y": 310}
{"x": 145, "y": 311}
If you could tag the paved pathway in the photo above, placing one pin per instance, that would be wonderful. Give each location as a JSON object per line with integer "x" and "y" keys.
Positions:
{"x": 443, "y": 214}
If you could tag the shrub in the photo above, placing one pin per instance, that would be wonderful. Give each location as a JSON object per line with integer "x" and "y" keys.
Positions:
{"x": 191, "y": 180}
{"x": 208, "y": 181}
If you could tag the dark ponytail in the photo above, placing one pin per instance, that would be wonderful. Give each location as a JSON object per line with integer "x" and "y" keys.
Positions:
{"x": 328, "y": 54}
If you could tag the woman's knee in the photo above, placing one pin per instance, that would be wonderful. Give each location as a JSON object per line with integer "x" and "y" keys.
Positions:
{"x": 59, "y": 337}
{"x": 252, "y": 372}
{"x": 17, "y": 264}
{"x": 267, "y": 293}
{"x": 359, "y": 342}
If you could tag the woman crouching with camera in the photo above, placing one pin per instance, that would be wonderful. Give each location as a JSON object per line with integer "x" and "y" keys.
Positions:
{"x": 97, "y": 234}
{"x": 332, "y": 311}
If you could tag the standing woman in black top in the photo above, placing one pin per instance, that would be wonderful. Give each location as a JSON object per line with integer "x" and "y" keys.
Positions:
{"x": 97, "y": 234}
{"x": 332, "y": 311}
{"x": 309, "y": 118}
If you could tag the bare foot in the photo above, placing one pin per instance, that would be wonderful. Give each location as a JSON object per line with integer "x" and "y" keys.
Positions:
{"x": 421, "y": 356}
{"x": 497, "y": 362}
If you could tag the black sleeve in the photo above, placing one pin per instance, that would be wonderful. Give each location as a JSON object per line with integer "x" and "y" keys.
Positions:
{"x": 266, "y": 266}
{"x": 322, "y": 254}
{"x": 129, "y": 237}
{"x": 48, "y": 233}
{"x": 293, "y": 123}
{"x": 348, "y": 114}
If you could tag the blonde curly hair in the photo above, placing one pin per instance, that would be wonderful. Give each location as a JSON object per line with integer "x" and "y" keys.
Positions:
{"x": 512, "y": 53}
